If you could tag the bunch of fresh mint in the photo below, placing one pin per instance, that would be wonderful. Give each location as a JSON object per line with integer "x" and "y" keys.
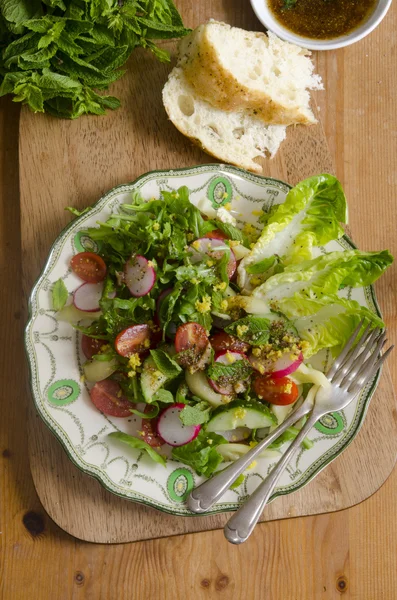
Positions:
{"x": 56, "y": 55}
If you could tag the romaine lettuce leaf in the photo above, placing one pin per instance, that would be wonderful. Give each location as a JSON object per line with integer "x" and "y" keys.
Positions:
{"x": 310, "y": 216}
{"x": 327, "y": 322}
{"x": 324, "y": 276}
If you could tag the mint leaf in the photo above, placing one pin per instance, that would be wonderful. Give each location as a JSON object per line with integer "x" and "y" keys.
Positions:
{"x": 237, "y": 371}
{"x": 196, "y": 414}
{"x": 59, "y": 295}
{"x": 164, "y": 396}
{"x": 165, "y": 364}
{"x": 201, "y": 454}
{"x": 253, "y": 330}
{"x": 134, "y": 442}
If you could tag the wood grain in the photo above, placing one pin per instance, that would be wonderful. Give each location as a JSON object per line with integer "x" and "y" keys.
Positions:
{"x": 73, "y": 163}
{"x": 294, "y": 559}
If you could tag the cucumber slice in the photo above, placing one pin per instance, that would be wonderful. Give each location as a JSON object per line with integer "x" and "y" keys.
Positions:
{"x": 281, "y": 412}
{"x": 241, "y": 414}
{"x": 199, "y": 386}
{"x": 151, "y": 379}
{"x": 232, "y": 452}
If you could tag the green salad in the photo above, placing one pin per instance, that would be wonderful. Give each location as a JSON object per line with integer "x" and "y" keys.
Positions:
{"x": 205, "y": 331}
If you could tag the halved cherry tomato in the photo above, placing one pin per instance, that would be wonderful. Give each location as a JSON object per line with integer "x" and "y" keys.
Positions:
{"x": 216, "y": 234}
{"x": 149, "y": 428}
{"x": 91, "y": 346}
{"x": 133, "y": 339}
{"x": 107, "y": 396}
{"x": 223, "y": 341}
{"x": 90, "y": 267}
{"x": 192, "y": 340}
{"x": 281, "y": 391}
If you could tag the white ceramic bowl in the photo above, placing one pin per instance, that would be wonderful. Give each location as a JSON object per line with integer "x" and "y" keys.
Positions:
{"x": 266, "y": 17}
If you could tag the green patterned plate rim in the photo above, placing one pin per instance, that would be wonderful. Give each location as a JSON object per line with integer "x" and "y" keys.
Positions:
{"x": 61, "y": 396}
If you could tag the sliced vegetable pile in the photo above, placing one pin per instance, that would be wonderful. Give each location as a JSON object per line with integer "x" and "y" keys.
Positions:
{"x": 209, "y": 363}
{"x": 57, "y": 54}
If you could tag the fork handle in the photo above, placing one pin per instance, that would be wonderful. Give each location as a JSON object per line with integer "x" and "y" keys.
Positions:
{"x": 209, "y": 492}
{"x": 242, "y": 523}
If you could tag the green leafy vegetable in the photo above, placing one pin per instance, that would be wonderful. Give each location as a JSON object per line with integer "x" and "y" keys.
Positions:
{"x": 310, "y": 216}
{"x": 201, "y": 454}
{"x": 327, "y": 322}
{"x": 253, "y": 330}
{"x": 58, "y": 53}
{"x": 165, "y": 364}
{"x": 76, "y": 212}
{"x": 237, "y": 371}
{"x": 144, "y": 415}
{"x": 134, "y": 442}
{"x": 324, "y": 275}
{"x": 232, "y": 232}
{"x": 163, "y": 396}
{"x": 59, "y": 295}
{"x": 240, "y": 479}
{"x": 195, "y": 415}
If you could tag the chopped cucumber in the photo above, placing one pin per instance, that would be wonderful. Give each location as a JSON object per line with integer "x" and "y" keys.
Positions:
{"x": 151, "y": 379}
{"x": 240, "y": 414}
{"x": 199, "y": 386}
{"x": 235, "y": 451}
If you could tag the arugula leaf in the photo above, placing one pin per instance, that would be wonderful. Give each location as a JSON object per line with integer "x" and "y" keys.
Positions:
{"x": 76, "y": 212}
{"x": 237, "y": 371}
{"x": 59, "y": 295}
{"x": 232, "y": 232}
{"x": 201, "y": 454}
{"x": 238, "y": 482}
{"x": 134, "y": 442}
{"x": 251, "y": 329}
{"x": 195, "y": 415}
{"x": 144, "y": 415}
{"x": 165, "y": 364}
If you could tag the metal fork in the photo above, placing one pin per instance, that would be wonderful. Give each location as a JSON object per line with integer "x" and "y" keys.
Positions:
{"x": 350, "y": 372}
{"x": 204, "y": 496}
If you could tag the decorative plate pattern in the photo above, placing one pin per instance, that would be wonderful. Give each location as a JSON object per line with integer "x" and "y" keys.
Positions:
{"x": 61, "y": 396}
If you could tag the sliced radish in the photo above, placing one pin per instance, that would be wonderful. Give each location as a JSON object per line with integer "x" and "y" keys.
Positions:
{"x": 208, "y": 246}
{"x": 87, "y": 297}
{"x": 236, "y": 435}
{"x": 283, "y": 366}
{"x": 140, "y": 277}
{"x": 171, "y": 429}
{"x": 227, "y": 358}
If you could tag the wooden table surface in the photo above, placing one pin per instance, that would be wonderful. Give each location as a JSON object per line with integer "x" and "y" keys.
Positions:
{"x": 352, "y": 553}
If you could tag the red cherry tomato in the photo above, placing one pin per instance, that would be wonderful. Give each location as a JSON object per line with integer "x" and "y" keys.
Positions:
{"x": 91, "y": 346}
{"x": 223, "y": 341}
{"x": 149, "y": 428}
{"x": 281, "y": 391}
{"x": 192, "y": 339}
{"x": 90, "y": 267}
{"x": 107, "y": 396}
{"x": 216, "y": 234}
{"x": 133, "y": 339}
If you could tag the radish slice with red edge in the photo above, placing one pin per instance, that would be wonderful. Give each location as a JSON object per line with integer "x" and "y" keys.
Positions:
{"x": 283, "y": 366}
{"x": 226, "y": 358}
{"x": 140, "y": 276}
{"x": 208, "y": 246}
{"x": 87, "y": 296}
{"x": 171, "y": 429}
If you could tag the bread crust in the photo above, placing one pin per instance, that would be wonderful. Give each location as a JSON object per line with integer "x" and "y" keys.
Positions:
{"x": 219, "y": 87}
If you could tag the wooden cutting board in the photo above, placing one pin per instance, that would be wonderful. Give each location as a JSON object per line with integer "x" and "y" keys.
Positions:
{"x": 73, "y": 163}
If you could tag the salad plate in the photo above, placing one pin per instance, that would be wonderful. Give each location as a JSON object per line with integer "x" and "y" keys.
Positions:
{"x": 61, "y": 394}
